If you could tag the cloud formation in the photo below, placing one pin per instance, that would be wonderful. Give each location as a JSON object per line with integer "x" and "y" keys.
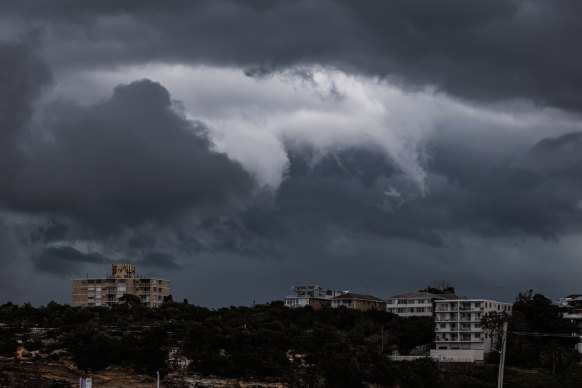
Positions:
{"x": 493, "y": 50}
{"x": 261, "y": 143}
{"x": 128, "y": 159}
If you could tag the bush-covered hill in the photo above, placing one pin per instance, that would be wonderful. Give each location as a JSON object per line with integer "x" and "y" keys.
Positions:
{"x": 335, "y": 347}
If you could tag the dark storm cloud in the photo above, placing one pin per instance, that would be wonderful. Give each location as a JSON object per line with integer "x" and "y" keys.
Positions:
{"x": 124, "y": 161}
{"x": 479, "y": 50}
{"x": 89, "y": 172}
{"x": 23, "y": 75}
{"x": 159, "y": 260}
{"x": 64, "y": 260}
{"x": 333, "y": 206}
{"x": 50, "y": 232}
{"x": 529, "y": 192}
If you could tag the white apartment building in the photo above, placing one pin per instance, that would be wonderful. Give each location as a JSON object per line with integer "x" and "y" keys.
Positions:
{"x": 459, "y": 335}
{"x": 414, "y": 304}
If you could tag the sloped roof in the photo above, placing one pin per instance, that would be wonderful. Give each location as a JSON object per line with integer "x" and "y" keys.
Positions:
{"x": 351, "y": 295}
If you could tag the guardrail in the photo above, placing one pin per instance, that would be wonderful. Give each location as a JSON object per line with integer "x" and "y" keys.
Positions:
{"x": 439, "y": 359}
{"x": 406, "y": 358}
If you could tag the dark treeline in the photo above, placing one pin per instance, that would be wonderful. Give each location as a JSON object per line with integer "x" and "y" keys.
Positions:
{"x": 302, "y": 347}
{"x": 538, "y": 335}
{"x": 332, "y": 347}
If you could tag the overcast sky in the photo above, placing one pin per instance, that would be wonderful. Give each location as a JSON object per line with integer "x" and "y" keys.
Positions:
{"x": 240, "y": 147}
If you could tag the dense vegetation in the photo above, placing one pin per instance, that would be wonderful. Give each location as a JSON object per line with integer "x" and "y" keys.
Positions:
{"x": 538, "y": 335}
{"x": 303, "y": 347}
{"x": 335, "y": 347}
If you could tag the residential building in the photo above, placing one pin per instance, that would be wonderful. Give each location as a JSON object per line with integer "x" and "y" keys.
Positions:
{"x": 310, "y": 295}
{"x": 93, "y": 292}
{"x": 415, "y": 304}
{"x": 358, "y": 301}
{"x": 459, "y": 335}
{"x": 571, "y": 309}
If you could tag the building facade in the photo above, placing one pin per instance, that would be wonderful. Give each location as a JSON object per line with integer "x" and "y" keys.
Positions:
{"x": 95, "y": 292}
{"x": 458, "y": 332}
{"x": 310, "y": 295}
{"x": 358, "y": 301}
{"x": 415, "y": 304}
{"x": 571, "y": 309}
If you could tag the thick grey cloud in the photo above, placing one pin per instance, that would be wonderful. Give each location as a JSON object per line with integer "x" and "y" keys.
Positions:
{"x": 133, "y": 178}
{"x": 126, "y": 160}
{"x": 71, "y": 173}
{"x": 23, "y": 76}
{"x": 66, "y": 260}
{"x": 482, "y": 190}
{"x": 488, "y": 50}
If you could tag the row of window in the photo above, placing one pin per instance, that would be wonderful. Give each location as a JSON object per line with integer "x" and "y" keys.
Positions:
{"x": 464, "y": 326}
{"x": 463, "y": 337}
{"x": 410, "y": 310}
{"x": 120, "y": 280}
{"x": 458, "y": 317}
{"x": 119, "y": 288}
{"x": 408, "y": 301}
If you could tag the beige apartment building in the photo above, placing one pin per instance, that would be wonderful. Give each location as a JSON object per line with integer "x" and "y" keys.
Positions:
{"x": 94, "y": 292}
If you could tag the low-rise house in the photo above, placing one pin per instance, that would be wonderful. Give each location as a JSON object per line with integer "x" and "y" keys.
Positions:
{"x": 458, "y": 332}
{"x": 358, "y": 301}
{"x": 310, "y": 295}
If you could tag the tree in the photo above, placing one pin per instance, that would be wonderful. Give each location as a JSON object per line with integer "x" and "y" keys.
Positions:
{"x": 539, "y": 336}
{"x": 492, "y": 323}
{"x": 130, "y": 300}
{"x": 554, "y": 353}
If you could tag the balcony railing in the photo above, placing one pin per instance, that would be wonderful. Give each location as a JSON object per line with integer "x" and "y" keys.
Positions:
{"x": 445, "y": 309}
{"x": 437, "y": 339}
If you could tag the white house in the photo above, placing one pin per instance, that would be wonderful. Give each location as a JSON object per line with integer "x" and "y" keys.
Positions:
{"x": 310, "y": 295}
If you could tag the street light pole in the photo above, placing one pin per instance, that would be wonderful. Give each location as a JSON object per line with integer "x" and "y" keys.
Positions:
{"x": 502, "y": 357}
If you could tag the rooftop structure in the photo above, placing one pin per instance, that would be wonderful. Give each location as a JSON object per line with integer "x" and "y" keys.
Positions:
{"x": 94, "y": 292}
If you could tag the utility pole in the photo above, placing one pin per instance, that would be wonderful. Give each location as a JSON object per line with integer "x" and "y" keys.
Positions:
{"x": 382, "y": 345}
{"x": 502, "y": 357}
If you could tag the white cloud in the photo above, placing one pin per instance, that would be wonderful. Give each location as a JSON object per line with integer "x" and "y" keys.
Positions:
{"x": 251, "y": 119}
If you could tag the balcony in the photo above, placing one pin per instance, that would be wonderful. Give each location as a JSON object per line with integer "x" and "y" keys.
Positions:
{"x": 446, "y": 309}
{"x": 471, "y": 309}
